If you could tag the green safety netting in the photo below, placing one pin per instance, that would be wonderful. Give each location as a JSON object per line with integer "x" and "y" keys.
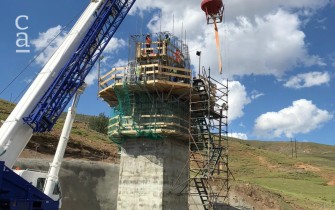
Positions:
{"x": 146, "y": 115}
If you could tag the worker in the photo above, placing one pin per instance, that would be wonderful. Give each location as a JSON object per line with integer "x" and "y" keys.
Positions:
{"x": 166, "y": 43}
{"x": 177, "y": 64}
{"x": 177, "y": 56}
{"x": 138, "y": 73}
{"x": 174, "y": 78}
{"x": 148, "y": 43}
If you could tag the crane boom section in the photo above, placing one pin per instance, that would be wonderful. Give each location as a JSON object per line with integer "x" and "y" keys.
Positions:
{"x": 71, "y": 77}
{"x": 14, "y": 133}
{"x": 63, "y": 74}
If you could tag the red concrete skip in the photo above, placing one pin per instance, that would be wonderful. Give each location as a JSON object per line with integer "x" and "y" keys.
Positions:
{"x": 211, "y": 6}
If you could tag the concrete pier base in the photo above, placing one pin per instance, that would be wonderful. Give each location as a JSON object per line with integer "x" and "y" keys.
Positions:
{"x": 153, "y": 174}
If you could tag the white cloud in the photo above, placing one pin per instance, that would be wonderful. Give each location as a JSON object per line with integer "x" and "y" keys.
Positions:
{"x": 269, "y": 45}
{"x": 321, "y": 20}
{"x": 263, "y": 7}
{"x": 49, "y": 41}
{"x": 93, "y": 75}
{"x": 114, "y": 45}
{"x": 302, "y": 117}
{"x": 255, "y": 94}
{"x": 265, "y": 38}
{"x": 54, "y": 37}
{"x": 238, "y": 135}
{"x": 237, "y": 99}
{"x": 28, "y": 80}
{"x": 120, "y": 63}
{"x": 308, "y": 80}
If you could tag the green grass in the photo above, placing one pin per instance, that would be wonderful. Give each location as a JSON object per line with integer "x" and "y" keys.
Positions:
{"x": 79, "y": 117}
{"x": 308, "y": 193}
{"x": 5, "y": 109}
{"x": 265, "y": 164}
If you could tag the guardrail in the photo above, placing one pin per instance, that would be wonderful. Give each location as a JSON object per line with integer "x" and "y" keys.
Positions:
{"x": 145, "y": 73}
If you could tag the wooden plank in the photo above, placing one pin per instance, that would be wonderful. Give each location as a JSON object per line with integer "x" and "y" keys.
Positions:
{"x": 175, "y": 68}
{"x": 112, "y": 71}
{"x": 149, "y": 65}
{"x": 166, "y": 116}
{"x": 169, "y": 83}
{"x": 176, "y": 75}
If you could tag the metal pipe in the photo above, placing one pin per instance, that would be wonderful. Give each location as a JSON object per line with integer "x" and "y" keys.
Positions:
{"x": 52, "y": 177}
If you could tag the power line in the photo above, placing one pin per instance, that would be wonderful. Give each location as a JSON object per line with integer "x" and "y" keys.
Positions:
{"x": 34, "y": 59}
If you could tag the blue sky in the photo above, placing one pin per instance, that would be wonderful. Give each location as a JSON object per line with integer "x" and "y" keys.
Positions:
{"x": 279, "y": 58}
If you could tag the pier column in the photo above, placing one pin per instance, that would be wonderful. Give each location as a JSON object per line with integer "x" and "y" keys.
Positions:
{"x": 153, "y": 174}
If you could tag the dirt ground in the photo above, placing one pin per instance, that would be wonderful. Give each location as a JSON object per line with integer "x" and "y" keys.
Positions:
{"x": 307, "y": 167}
{"x": 43, "y": 146}
{"x": 247, "y": 196}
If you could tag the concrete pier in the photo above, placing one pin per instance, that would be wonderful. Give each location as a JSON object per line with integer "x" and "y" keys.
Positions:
{"x": 153, "y": 174}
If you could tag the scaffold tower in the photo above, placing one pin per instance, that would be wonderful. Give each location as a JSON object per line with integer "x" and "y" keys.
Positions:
{"x": 209, "y": 171}
{"x": 156, "y": 97}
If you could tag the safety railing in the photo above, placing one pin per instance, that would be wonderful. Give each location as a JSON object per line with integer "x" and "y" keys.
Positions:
{"x": 163, "y": 125}
{"x": 145, "y": 73}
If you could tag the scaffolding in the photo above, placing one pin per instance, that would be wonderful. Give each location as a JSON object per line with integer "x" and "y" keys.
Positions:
{"x": 155, "y": 97}
{"x": 149, "y": 96}
{"x": 209, "y": 171}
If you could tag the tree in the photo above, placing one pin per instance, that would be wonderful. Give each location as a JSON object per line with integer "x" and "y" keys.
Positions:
{"x": 99, "y": 123}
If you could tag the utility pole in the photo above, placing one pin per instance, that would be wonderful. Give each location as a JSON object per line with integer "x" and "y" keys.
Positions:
{"x": 292, "y": 147}
{"x": 295, "y": 148}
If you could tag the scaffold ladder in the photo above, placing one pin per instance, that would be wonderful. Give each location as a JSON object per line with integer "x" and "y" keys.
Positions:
{"x": 205, "y": 148}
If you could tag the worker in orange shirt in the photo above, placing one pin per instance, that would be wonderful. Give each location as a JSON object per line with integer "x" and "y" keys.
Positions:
{"x": 148, "y": 43}
{"x": 177, "y": 56}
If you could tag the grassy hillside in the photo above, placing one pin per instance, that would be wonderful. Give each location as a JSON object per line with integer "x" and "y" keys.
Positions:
{"x": 307, "y": 182}
{"x": 84, "y": 143}
{"x": 266, "y": 176}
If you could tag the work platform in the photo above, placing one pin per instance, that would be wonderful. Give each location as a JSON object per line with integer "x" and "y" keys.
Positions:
{"x": 153, "y": 77}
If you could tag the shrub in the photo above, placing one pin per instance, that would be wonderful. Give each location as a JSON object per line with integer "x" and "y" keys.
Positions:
{"x": 99, "y": 123}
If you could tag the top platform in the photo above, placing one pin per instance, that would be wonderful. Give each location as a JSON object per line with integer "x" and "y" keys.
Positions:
{"x": 158, "y": 63}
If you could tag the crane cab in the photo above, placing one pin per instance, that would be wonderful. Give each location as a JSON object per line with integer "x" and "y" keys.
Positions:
{"x": 37, "y": 179}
